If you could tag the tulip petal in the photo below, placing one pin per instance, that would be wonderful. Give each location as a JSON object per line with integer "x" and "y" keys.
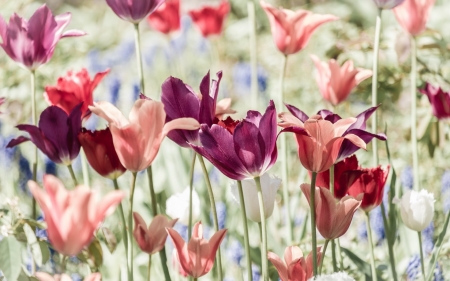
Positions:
{"x": 297, "y": 113}
{"x": 214, "y": 244}
{"x": 279, "y": 265}
{"x": 110, "y": 113}
{"x": 73, "y": 33}
{"x": 106, "y": 206}
{"x": 249, "y": 146}
{"x": 292, "y": 253}
{"x": 181, "y": 247}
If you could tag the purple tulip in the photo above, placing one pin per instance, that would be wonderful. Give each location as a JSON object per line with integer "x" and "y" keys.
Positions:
{"x": 358, "y": 128}
{"x": 244, "y": 149}
{"x": 57, "y": 134}
{"x": 439, "y": 100}
{"x": 32, "y": 43}
{"x": 134, "y": 11}
{"x": 387, "y": 4}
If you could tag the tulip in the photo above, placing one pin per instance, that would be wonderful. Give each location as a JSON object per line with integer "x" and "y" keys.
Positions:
{"x": 166, "y": 18}
{"x": 297, "y": 268}
{"x": 370, "y": 183}
{"x": 413, "y": 15}
{"x": 72, "y": 89}
{"x": 177, "y": 206}
{"x": 56, "y": 135}
{"x": 72, "y": 216}
{"x": 138, "y": 139}
{"x": 100, "y": 153}
{"x": 197, "y": 256}
{"x": 180, "y": 101}
{"x": 42, "y": 276}
{"x": 417, "y": 209}
{"x": 332, "y": 218}
{"x": 133, "y": 11}
{"x": 209, "y": 20}
{"x": 32, "y": 43}
{"x": 387, "y": 4}
{"x": 176, "y": 263}
{"x": 269, "y": 186}
{"x": 248, "y": 151}
{"x": 337, "y": 276}
{"x": 439, "y": 100}
{"x": 336, "y": 82}
{"x": 291, "y": 30}
{"x": 152, "y": 239}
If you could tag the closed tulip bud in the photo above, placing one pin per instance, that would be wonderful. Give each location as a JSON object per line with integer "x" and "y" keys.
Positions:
{"x": 209, "y": 20}
{"x": 166, "y": 18}
{"x": 413, "y": 15}
{"x": 417, "y": 209}
{"x": 387, "y": 4}
{"x": 151, "y": 239}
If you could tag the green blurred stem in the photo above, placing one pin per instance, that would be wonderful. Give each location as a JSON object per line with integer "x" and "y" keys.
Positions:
{"x": 390, "y": 243}
{"x": 339, "y": 252}
{"x": 376, "y": 52}
{"x": 191, "y": 190}
{"x": 422, "y": 261}
{"x": 72, "y": 174}
{"x": 264, "y": 263}
{"x": 414, "y": 114}
{"x": 253, "y": 52}
{"x": 34, "y": 119}
{"x": 312, "y": 206}
{"x": 149, "y": 267}
{"x": 130, "y": 223}
{"x": 214, "y": 212}
{"x": 333, "y": 245}
{"x": 246, "y": 239}
{"x": 137, "y": 39}
{"x": 84, "y": 168}
{"x": 372, "y": 255}
{"x": 124, "y": 228}
{"x": 323, "y": 255}
{"x": 64, "y": 263}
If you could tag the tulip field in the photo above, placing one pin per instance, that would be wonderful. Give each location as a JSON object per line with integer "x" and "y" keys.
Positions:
{"x": 290, "y": 140}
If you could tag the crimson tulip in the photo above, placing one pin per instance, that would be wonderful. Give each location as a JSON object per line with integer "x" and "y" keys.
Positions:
{"x": 166, "y": 18}
{"x": 209, "y": 20}
{"x": 439, "y": 100}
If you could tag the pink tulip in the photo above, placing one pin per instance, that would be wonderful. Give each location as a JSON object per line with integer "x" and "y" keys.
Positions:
{"x": 32, "y": 43}
{"x": 176, "y": 263}
{"x": 72, "y": 216}
{"x": 336, "y": 82}
{"x": 197, "y": 256}
{"x": 42, "y": 276}
{"x": 296, "y": 268}
{"x": 413, "y": 15}
{"x": 291, "y": 30}
{"x": 332, "y": 218}
{"x": 151, "y": 239}
{"x": 138, "y": 139}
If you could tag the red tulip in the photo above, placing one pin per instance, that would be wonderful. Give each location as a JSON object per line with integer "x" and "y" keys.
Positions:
{"x": 100, "y": 153}
{"x": 439, "y": 100}
{"x": 332, "y": 218}
{"x": 167, "y": 17}
{"x": 72, "y": 216}
{"x": 371, "y": 183}
{"x": 197, "y": 256}
{"x": 133, "y": 11}
{"x": 413, "y": 15}
{"x": 210, "y": 19}
{"x": 72, "y": 89}
{"x": 291, "y": 30}
{"x": 151, "y": 239}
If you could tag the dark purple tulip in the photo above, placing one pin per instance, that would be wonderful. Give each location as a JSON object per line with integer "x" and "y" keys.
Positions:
{"x": 57, "y": 134}
{"x": 248, "y": 152}
{"x": 358, "y": 128}
{"x": 439, "y": 100}
{"x": 134, "y": 11}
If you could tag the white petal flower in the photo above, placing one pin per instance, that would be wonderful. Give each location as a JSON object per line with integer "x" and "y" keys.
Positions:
{"x": 417, "y": 209}
{"x": 269, "y": 187}
{"x": 338, "y": 276}
{"x": 177, "y": 206}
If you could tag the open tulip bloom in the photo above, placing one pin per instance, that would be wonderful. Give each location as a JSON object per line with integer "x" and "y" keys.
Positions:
{"x": 209, "y": 20}
{"x": 413, "y": 15}
{"x": 439, "y": 100}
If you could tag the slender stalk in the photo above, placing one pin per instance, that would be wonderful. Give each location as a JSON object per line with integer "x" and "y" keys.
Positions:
{"x": 333, "y": 245}
{"x": 137, "y": 39}
{"x": 414, "y": 114}
{"x": 422, "y": 261}
{"x": 253, "y": 52}
{"x": 130, "y": 223}
{"x": 246, "y": 239}
{"x": 84, "y": 168}
{"x": 339, "y": 252}
{"x": 390, "y": 243}
{"x": 372, "y": 255}
{"x": 264, "y": 263}
{"x": 64, "y": 263}
{"x": 149, "y": 266}
{"x": 72, "y": 174}
{"x": 191, "y": 190}
{"x": 312, "y": 205}
{"x": 376, "y": 52}
{"x": 124, "y": 229}
{"x": 323, "y": 255}
{"x": 34, "y": 119}
{"x": 214, "y": 212}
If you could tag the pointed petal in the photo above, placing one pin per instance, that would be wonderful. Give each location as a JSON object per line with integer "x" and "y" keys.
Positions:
{"x": 279, "y": 265}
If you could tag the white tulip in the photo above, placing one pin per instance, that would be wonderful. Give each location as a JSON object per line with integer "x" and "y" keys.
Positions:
{"x": 269, "y": 187}
{"x": 417, "y": 209}
{"x": 177, "y": 206}
{"x": 338, "y": 276}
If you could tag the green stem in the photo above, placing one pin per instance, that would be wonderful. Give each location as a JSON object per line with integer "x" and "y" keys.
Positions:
{"x": 253, "y": 52}
{"x": 422, "y": 261}
{"x": 246, "y": 239}
{"x": 312, "y": 206}
{"x": 130, "y": 223}
{"x": 370, "y": 240}
{"x": 214, "y": 212}
{"x": 264, "y": 263}
{"x": 376, "y": 52}
{"x": 84, "y": 168}
{"x": 390, "y": 243}
{"x": 323, "y": 255}
{"x": 72, "y": 174}
{"x": 341, "y": 259}
{"x": 137, "y": 40}
{"x": 149, "y": 266}
{"x": 333, "y": 255}
{"x": 333, "y": 245}
{"x": 34, "y": 119}
{"x": 124, "y": 228}
{"x": 191, "y": 190}
{"x": 414, "y": 114}
{"x": 64, "y": 263}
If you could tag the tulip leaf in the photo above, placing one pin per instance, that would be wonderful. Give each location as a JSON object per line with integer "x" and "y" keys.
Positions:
{"x": 45, "y": 251}
{"x": 438, "y": 247}
{"x": 108, "y": 237}
{"x": 33, "y": 243}
{"x": 10, "y": 258}
{"x": 96, "y": 253}
{"x": 363, "y": 266}
{"x": 24, "y": 276}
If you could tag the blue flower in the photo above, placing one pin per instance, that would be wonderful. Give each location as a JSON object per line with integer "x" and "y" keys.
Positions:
{"x": 25, "y": 174}
{"x": 376, "y": 221}
{"x": 50, "y": 167}
{"x": 445, "y": 190}
{"x": 413, "y": 268}
{"x": 438, "y": 273}
{"x": 427, "y": 234}
{"x": 136, "y": 91}
{"x": 407, "y": 178}
{"x": 256, "y": 273}
{"x": 242, "y": 77}
{"x": 235, "y": 252}
{"x": 114, "y": 89}
{"x": 221, "y": 209}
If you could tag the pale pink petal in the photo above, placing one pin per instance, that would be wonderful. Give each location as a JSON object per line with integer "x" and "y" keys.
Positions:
{"x": 110, "y": 113}
{"x": 279, "y": 265}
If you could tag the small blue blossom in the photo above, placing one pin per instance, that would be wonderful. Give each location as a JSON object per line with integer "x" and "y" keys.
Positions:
{"x": 50, "y": 167}
{"x": 256, "y": 273}
{"x": 407, "y": 178}
{"x": 221, "y": 209}
{"x": 242, "y": 78}
{"x": 136, "y": 91}
{"x": 413, "y": 268}
{"x": 235, "y": 252}
{"x": 438, "y": 273}
{"x": 445, "y": 190}
{"x": 76, "y": 277}
{"x": 376, "y": 221}
{"x": 427, "y": 238}
{"x": 114, "y": 85}
{"x": 25, "y": 173}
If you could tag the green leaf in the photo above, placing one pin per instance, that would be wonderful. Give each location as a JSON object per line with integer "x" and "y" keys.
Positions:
{"x": 24, "y": 276}
{"x": 34, "y": 245}
{"x": 45, "y": 251}
{"x": 363, "y": 266}
{"x": 109, "y": 239}
{"x": 96, "y": 253}
{"x": 10, "y": 258}
{"x": 438, "y": 248}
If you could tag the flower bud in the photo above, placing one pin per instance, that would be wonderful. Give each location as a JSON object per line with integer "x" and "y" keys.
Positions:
{"x": 417, "y": 209}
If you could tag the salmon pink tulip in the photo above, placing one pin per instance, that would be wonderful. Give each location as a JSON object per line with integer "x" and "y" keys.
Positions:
{"x": 72, "y": 89}
{"x": 72, "y": 216}
{"x": 439, "y": 100}
{"x": 209, "y": 20}
{"x": 138, "y": 139}
{"x": 413, "y": 15}
{"x": 151, "y": 239}
{"x": 133, "y": 11}
{"x": 166, "y": 18}
{"x": 291, "y": 30}
{"x": 32, "y": 43}
{"x": 197, "y": 256}
{"x": 332, "y": 218}
{"x": 42, "y": 276}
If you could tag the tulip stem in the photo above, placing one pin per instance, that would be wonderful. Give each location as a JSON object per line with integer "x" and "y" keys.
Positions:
{"x": 312, "y": 207}
{"x": 34, "y": 119}
{"x": 214, "y": 212}
{"x": 130, "y": 224}
{"x": 191, "y": 190}
{"x": 72, "y": 174}
{"x": 414, "y": 114}
{"x": 370, "y": 240}
{"x": 84, "y": 168}
{"x": 124, "y": 227}
{"x": 390, "y": 243}
{"x": 149, "y": 266}
{"x": 265, "y": 267}
{"x": 333, "y": 245}
{"x": 137, "y": 43}
{"x": 339, "y": 252}
{"x": 422, "y": 262}
{"x": 323, "y": 255}
{"x": 376, "y": 52}
{"x": 253, "y": 52}
{"x": 246, "y": 239}
{"x": 64, "y": 263}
